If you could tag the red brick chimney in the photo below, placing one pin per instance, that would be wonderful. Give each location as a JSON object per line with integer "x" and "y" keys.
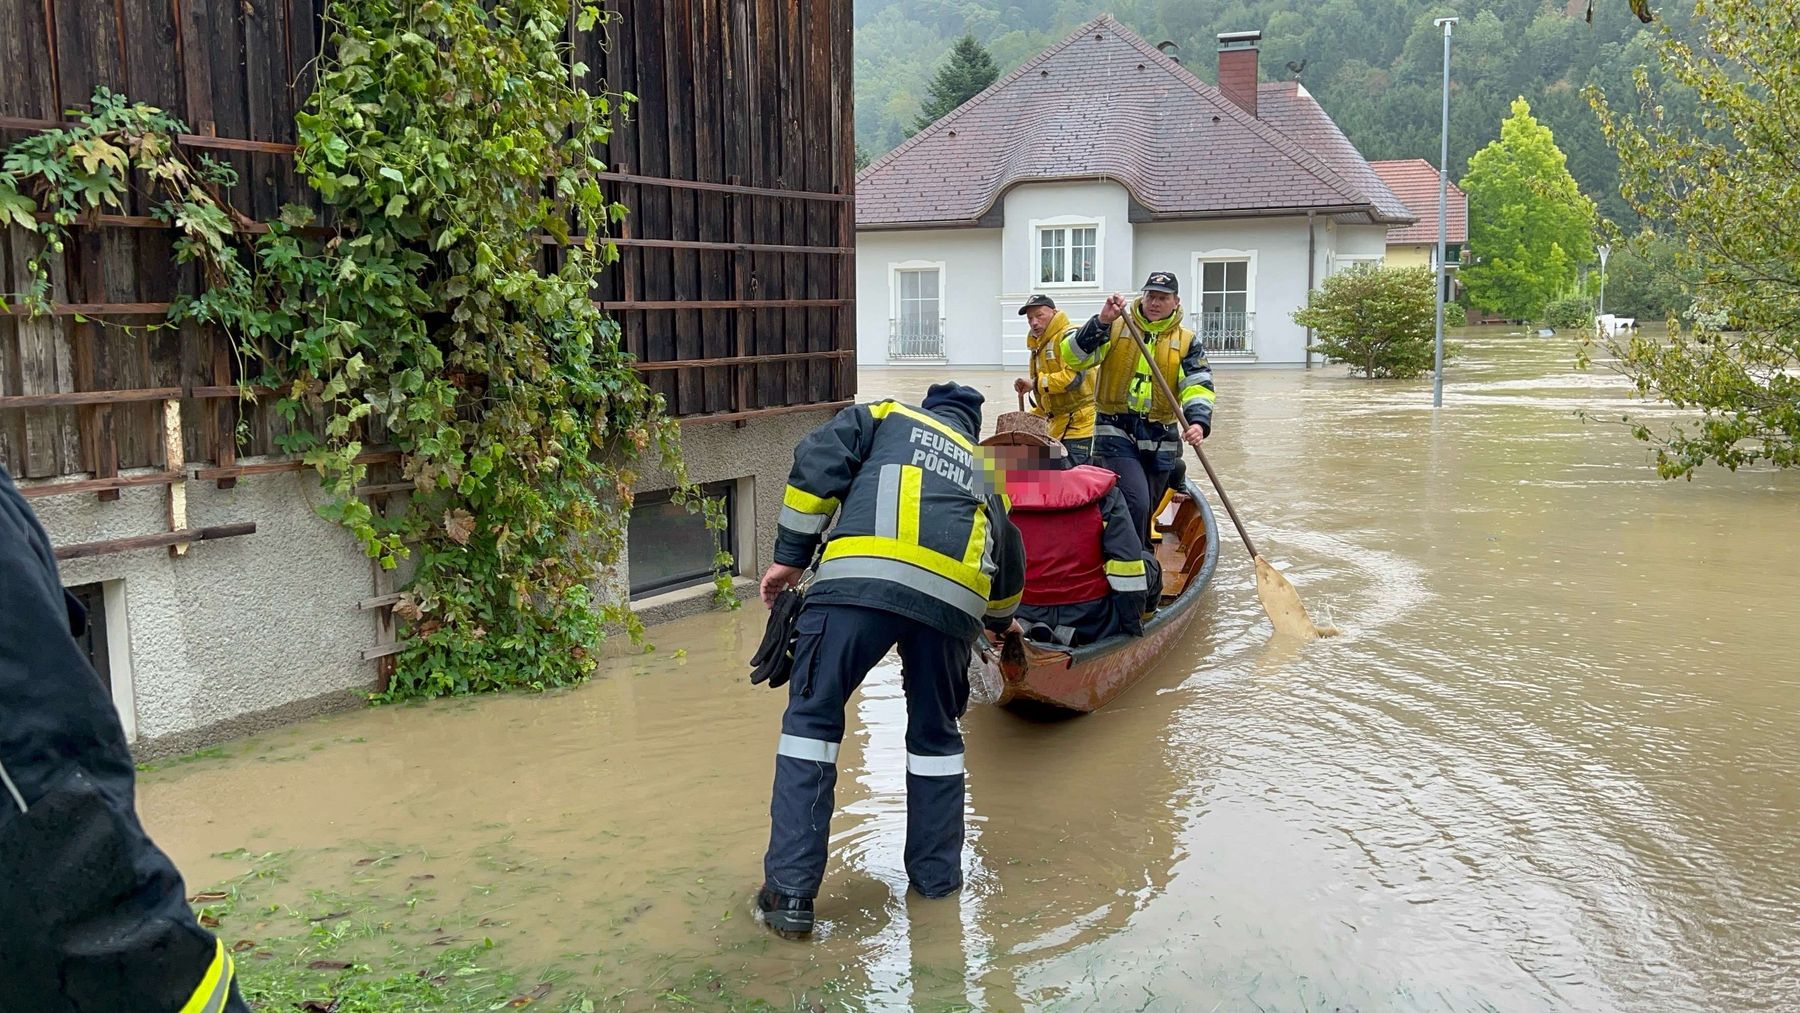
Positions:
{"x": 1237, "y": 67}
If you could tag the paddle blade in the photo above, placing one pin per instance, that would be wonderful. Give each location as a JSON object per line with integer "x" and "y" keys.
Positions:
{"x": 1282, "y": 603}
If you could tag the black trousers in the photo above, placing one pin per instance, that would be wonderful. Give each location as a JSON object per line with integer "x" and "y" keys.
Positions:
{"x": 1080, "y": 451}
{"x": 1071, "y": 625}
{"x": 837, "y": 646}
{"x": 1142, "y": 478}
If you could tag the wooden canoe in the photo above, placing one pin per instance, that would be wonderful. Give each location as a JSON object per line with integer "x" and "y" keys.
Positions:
{"x": 1083, "y": 679}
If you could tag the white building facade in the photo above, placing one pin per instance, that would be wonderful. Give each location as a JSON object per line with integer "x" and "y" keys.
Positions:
{"x": 952, "y": 295}
{"x": 1258, "y": 198}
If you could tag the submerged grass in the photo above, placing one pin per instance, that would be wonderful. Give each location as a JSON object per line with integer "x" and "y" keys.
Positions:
{"x": 386, "y": 945}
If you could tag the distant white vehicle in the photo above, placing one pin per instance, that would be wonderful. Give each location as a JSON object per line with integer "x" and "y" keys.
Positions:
{"x": 1608, "y": 324}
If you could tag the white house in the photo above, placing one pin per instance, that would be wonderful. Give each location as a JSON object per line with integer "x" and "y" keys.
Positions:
{"x": 1093, "y": 164}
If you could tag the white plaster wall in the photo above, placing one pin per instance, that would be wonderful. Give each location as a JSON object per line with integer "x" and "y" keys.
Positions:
{"x": 989, "y": 273}
{"x": 1362, "y": 240}
{"x": 1026, "y": 207}
{"x": 252, "y": 631}
{"x": 239, "y": 625}
{"x": 971, "y": 280}
{"x": 1279, "y": 279}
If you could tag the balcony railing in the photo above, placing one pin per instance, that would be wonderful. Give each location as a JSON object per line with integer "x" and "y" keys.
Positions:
{"x": 916, "y": 340}
{"x": 1226, "y": 334}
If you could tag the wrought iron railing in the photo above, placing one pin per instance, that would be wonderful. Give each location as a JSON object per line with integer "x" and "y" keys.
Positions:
{"x": 1225, "y": 333}
{"x": 916, "y": 340}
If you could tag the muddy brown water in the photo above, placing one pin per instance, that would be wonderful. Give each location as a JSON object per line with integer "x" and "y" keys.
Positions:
{"x": 1551, "y": 764}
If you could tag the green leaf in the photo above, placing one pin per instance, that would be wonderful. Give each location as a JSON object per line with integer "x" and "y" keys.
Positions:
{"x": 16, "y": 207}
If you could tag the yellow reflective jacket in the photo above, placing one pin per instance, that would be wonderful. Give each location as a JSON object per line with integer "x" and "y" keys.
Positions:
{"x": 1125, "y": 386}
{"x": 1064, "y": 394}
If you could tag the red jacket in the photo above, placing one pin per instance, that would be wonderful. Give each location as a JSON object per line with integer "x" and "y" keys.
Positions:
{"x": 1079, "y": 544}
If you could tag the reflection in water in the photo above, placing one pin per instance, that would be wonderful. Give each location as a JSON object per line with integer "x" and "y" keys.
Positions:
{"x": 1550, "y": 765}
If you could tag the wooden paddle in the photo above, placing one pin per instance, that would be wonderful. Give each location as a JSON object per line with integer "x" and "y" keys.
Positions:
{"x": 1279, "y": 599}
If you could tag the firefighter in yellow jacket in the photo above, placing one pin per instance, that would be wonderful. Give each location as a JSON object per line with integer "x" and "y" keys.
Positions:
{"x": 1137, "y": 433}
{"x": 1061, "y": 394}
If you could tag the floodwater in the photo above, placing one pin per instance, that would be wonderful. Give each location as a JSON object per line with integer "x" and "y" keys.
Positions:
{"x": 1551, "y": 763}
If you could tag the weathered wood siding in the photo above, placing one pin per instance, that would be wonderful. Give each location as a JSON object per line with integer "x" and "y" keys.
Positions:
{"x": 734, "y": 289}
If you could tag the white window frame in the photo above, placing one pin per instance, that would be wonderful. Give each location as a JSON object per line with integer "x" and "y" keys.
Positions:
{"x": 1204, "y": 257}
{"x": 895, "y": 268}
{"x": 1064, "y": 223}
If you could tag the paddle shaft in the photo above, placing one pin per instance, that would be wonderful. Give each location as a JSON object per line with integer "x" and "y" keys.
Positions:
{"x": 1162, "y": 385}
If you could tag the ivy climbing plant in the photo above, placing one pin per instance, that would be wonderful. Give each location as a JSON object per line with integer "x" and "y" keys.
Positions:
{"x": 445, "y": 302}
{"x": 51, "y": 180}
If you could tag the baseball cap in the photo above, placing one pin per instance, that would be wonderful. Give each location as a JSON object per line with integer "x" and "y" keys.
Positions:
{"x": 1161, "y": 281}
{"x": 1037, "y": 300}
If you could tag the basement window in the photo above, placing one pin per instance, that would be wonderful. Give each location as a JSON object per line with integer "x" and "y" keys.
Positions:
{"x": 669, "y": 548}
{"x": 93, "y": 642}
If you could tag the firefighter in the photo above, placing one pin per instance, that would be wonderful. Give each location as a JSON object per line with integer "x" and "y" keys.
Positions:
{"x": 1137, "y": 433}
{"x": 1062, "y": 396}
{"x": 1086, "y": 574}
{"x": 922, "y": 557}
{"x": 92, "y": 915}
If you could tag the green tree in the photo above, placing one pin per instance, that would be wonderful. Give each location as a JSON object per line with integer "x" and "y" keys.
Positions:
{"x": 1726, "y": 191}
{"x": 1529, "y": 224}
{"x": 1644, "y": 281}
{"x": 1382, "y": 321}
{"x": 967, "y": 71}
{"x": 1572, "y": 313}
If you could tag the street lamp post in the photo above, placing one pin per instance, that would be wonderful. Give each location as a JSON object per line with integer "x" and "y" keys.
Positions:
{"x": 1603, "y": 249}
{"x": 1437, "y": 376}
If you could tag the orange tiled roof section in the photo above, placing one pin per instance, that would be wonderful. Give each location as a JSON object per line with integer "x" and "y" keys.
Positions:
{"x": 1416, "y": 182}
{"x": 1103, "y": 103}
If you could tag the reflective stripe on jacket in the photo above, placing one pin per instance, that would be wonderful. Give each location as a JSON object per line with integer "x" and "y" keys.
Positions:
{"x": 1125, "y": 385}
{"x": 917, "y": 531}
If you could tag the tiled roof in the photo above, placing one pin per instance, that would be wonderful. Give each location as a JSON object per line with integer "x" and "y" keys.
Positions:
{"x": 1416, "y": 182}
{"x": 1291, "y": 109}
{"x": 1103, "y": 103}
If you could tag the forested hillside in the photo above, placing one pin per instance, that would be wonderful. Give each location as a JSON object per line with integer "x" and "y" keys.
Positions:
{"x": 1375, "y": 65}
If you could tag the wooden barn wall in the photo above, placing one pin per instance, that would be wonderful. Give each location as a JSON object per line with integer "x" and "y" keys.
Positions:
{"x": 735, "y": 283}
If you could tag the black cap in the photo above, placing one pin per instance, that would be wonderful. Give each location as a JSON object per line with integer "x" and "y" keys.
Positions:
{"x": 1037, "y": 300}
{"x": 1161, "y": 281}
{"x": 956, "y": 404}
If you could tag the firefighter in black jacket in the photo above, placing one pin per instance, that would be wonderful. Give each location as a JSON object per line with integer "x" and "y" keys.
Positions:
{"x": 93, "y": 917}
{"x": 922, "y": 557}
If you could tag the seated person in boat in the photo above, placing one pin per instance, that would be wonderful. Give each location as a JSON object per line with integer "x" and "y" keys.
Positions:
{"x": 1087, "y": 576}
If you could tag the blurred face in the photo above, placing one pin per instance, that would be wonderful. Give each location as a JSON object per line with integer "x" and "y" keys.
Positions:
{"x": 1039, "y": 318}
{"x": 1158, "y": 305}
{"x": 1015, "y": 463}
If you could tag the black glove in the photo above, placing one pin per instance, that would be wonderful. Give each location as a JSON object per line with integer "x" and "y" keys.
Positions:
{"x": 774, "y": 657}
